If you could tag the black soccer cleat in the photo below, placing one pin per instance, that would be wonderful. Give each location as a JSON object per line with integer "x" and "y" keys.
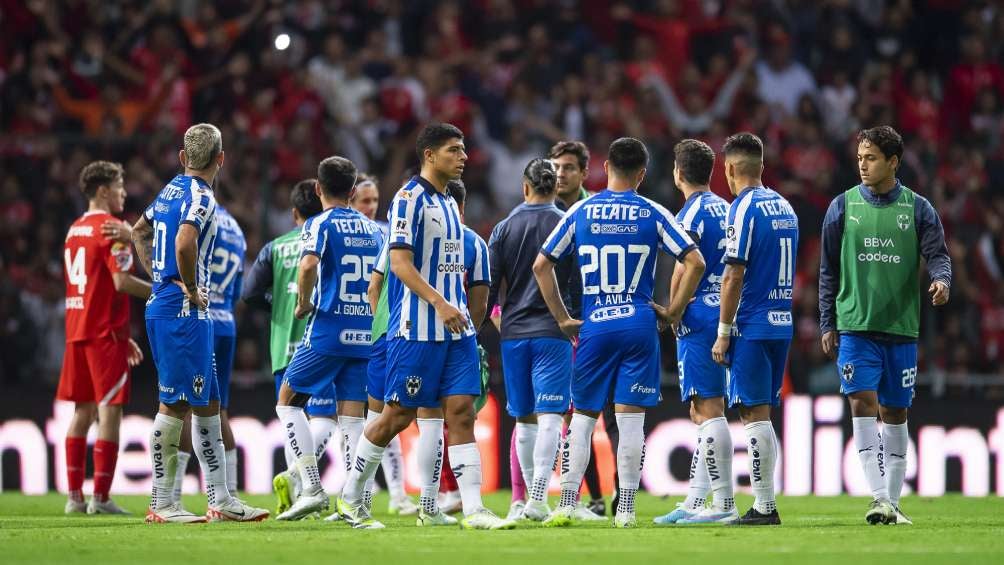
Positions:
{"x": 597, "y": 506}
{"x": 754, "y": 518}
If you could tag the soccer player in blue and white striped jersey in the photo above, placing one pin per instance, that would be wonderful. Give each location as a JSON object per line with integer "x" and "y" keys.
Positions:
{"x": 432, "y": 358}
{"x": 702, "y": 381}
{"x": 616, "y": 236}
{"x": 755, "y": 326}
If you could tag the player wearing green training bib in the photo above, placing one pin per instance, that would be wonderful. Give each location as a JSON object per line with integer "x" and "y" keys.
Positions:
{"x": 874, "y": 236}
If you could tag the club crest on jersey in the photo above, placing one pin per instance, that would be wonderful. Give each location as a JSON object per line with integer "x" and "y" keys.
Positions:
{"x": 198, "y": 383}
{"x": 847, "y": 372}
{"x": 412, "y": 385}
{"x": 903, "y": 221}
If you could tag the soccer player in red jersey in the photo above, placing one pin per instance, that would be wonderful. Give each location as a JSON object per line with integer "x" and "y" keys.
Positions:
{"x": 98, "y": 260}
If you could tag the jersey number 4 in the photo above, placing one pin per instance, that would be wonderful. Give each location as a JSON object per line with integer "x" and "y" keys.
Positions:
{"x": 611, "y": 262}
{"x": 76, "y": 268}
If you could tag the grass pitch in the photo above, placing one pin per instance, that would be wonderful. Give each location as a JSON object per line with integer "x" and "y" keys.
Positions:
{"x": 950, "y": 529}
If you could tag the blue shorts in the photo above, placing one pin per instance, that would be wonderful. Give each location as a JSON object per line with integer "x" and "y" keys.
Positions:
{"x": 699, "y": 374}
{"x": 182, "y": 351}
{"x": 624, "y": 365}
{"x": 538, "y": 375}
{"x": 223, "y": 350}
{"x": 419, "y": 373}
{"x": 756, "y": 370}
{"x": 886, "y": 367}
{"x": 326, "y": 378}
{"x": 376, "y": 373}
{"x": 324, "y": 404}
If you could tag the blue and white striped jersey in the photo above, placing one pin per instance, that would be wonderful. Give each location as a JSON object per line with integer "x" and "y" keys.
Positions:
{"x": 477, "y": 269}
{"x": 617, "y": 236}
{"x": 347, "y": 244}
{"x": 427, "y": 223}
{"x": 763, "y": 235}
{"x": 704, "y": 216}
{"x": 226, "y": 273}
{"x": 185, "y": 200}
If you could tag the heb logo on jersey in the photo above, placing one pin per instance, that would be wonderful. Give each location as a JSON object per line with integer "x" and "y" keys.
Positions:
{"x": 613, "y": 229}
{"x": 611, "y": 313}
{"x": 779, "y": 318}
{"x": 355, "y": 337}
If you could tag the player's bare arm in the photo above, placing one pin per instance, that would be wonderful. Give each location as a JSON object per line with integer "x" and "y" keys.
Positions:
{"x": 690, "y": 270}
{"x": 142, "y": 239}
{"x": 732, "y": 284}
{"x": 547, "y": 280}
{"x": 477, "y": 304}
{"x": 187, "y": 252}
{"x": 132, "y": 285}
{"x": 306, "y": 279}
{"x": 402, "y": 264}
{"x": 373, "y": 290}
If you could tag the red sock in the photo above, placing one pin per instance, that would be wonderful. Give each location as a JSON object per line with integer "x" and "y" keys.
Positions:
{"x": 106, "y": 454}
{"x": 448, "y": 482}
{"x": 76, "y": 461}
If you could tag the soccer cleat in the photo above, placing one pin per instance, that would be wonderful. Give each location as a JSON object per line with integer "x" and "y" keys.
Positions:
{"x": 173, "y": 513}
{"x": 94, "y": 506}
{"x": 284, "y": 486}
{"x": 560, "y": 517}
{"x": 515, "y": 510}
{"x": 754, "y": 518}
{"x": 880, "y": 512}
{"x": 235, "y": 510}
{"x": 357, "y": 516}
{"x": 625, "y": 520}
{"x": 681, "y": 512}
{"x": 536, "y": 511}
{"x": 450, "y": 502}
{"x": 582, "y": 513}
{"x": 438, "y": 519}
{"x": 75, "y": 507}
{"x": 901, "y": 519}
{"x": 597, "y": 506}
{"x": 335, "y": 516}
{"x": 402, "y": 507}
{"x": 484, "y": 519}
{"x": 711, "y": 516}
{"x": 305, "y": 505}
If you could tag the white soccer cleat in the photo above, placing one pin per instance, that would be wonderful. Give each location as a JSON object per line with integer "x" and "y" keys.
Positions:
{"x": 402, "y": 507}
{"x": 901, "y": 519}
{"x": 484, "y": 519}
{"x": 438, "y": 519}
{"x": 536, "y": 511}
{"x": 357, "y": 516}
{"x": 334, "y": 517}
{"x": 450, "y": 502}
{"x": 94, "y": 506}
{"x": 235, "y": 510}
{"x": 582, "y": 513}
{"x": 560, "y": 517}
{"x": 173, "y": 513}
{"x": 711, "y": 516}
{"x": 515, "y": 510}
{"x": 305, "y": 505}
{"x": 625, "y": 520}
{"x": 880, "y": 512}
{"x": 75, "y": 506}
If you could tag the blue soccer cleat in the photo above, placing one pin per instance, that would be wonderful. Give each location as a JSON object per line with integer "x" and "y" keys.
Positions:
{"x": 680, "y": 513}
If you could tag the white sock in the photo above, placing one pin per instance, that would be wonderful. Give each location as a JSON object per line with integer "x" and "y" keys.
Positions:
{"x": 630, "y": 457}
{"x": 352, "y": 428}
{"x": 290, "y": 458}
{"x": 392, "y": 464}
{"x": 465, "y": 460}
{"x": 367, "y": 459}
{"x": 700, "y": 482}
{"x": 430, "y": 462}
{"x": 207, "y": 442}
{"x": 301, "y": 443}
{"x": 321, "y": 430}
{"x": 545, "y": 451}
{"x": 895, "y": 438}
{"x": 371, "y": 416}
{"x": 762, "y": 455}
{"x": 232, "y": 470}
{"x": 164, "y": 440}
{"x": 718, "y": 461}
{"x": 179, "y": 474}
{"x": 868, "y": 442}
{"x": 526, "y": 439}
{"x": 575, "y": 457}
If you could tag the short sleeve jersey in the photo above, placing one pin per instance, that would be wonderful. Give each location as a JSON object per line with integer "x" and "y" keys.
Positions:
{"x": 94, "y": 308}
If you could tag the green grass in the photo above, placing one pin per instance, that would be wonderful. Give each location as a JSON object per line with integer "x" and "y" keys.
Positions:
{"x": 950, "y": 529}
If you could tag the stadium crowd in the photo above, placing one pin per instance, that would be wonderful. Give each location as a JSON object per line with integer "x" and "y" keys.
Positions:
{"x": 292, "y": 82}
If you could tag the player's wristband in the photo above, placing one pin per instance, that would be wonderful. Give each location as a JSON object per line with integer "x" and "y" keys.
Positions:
{"x": 724, "y": 330}
{"x": 496, "y": 311}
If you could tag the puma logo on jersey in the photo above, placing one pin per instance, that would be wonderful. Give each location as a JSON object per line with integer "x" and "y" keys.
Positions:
{"x": 856, "y": 219}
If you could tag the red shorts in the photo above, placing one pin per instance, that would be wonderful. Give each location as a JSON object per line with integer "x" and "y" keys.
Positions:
{"x": 96, "y": 370}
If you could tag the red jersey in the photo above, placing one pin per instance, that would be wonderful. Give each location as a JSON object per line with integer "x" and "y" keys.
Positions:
{"x": 93, "y": 307}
